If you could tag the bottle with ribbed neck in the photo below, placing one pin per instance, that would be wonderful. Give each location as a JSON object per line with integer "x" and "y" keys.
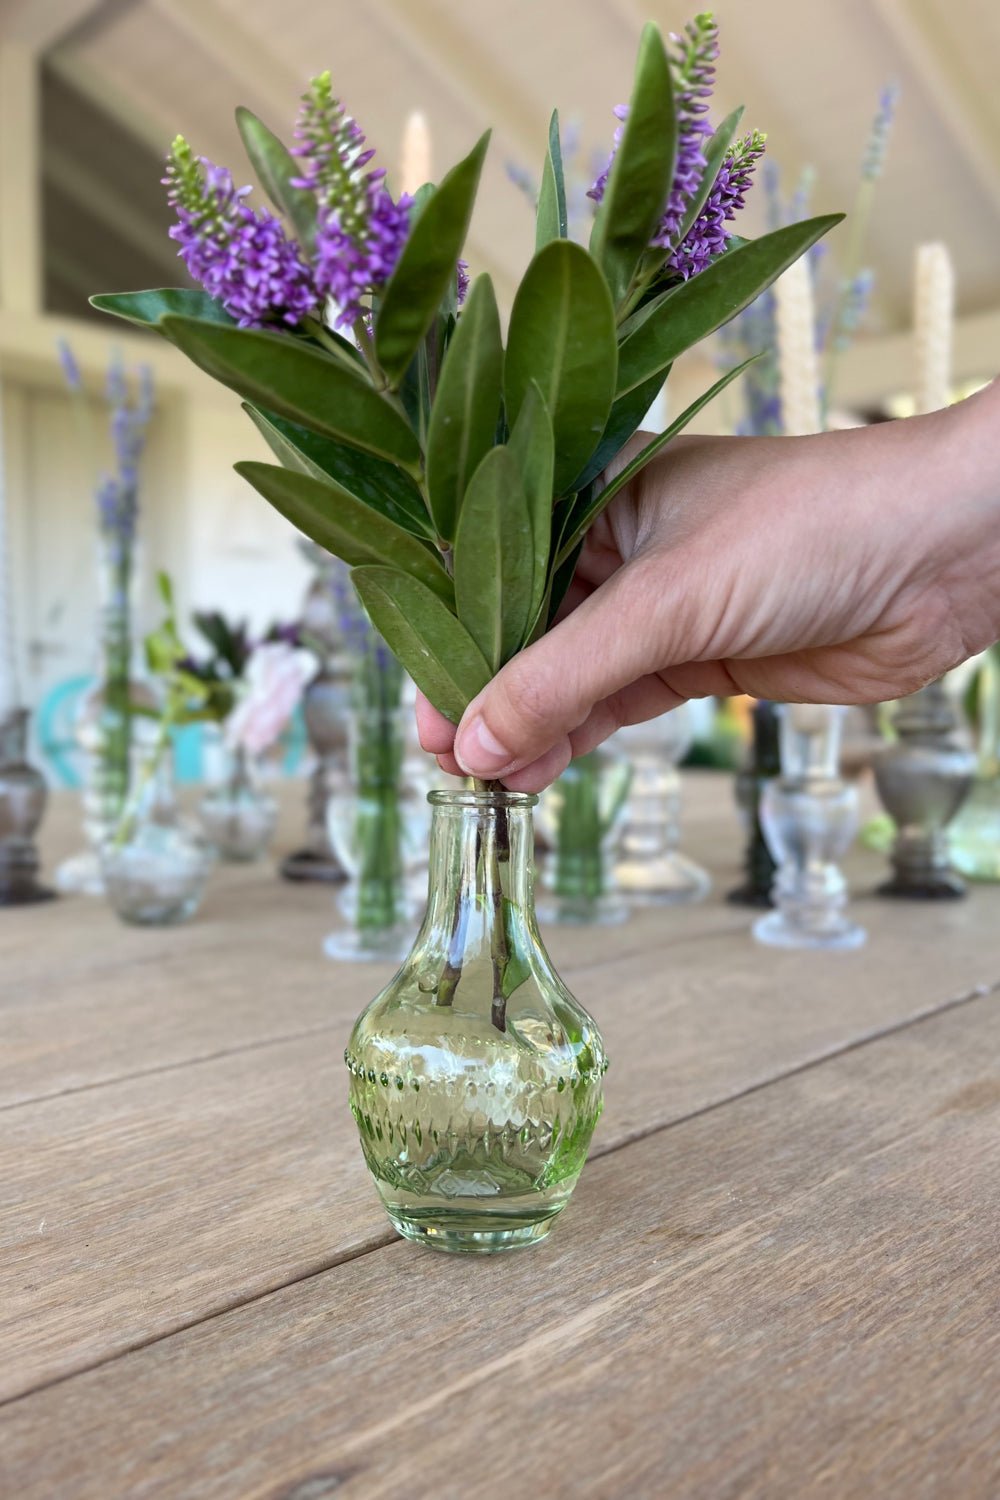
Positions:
{"x": 475, "y": 1076}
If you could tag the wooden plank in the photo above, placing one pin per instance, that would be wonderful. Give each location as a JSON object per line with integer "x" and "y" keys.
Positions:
{"x": 87, "y": 1001}
{"x": 791, "y": 1295}
{"x": 214, "y": 1182}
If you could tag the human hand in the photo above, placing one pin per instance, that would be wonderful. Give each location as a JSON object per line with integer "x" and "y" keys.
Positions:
{"x": 848, "y": 567}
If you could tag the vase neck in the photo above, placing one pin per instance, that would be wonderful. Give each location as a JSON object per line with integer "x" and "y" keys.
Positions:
{"x": 479, "y": 931}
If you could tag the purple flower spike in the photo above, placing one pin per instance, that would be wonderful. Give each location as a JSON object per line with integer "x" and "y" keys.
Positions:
{"x": 70, "y": 368}
{"x": 361, "y": 231}
{"x": 241, "y": 257}
{"x": 708, "y": 235}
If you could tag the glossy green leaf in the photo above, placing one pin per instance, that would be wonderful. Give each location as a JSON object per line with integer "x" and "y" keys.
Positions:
{"x": 561, "y": 580}
{"x": 276, "y": 167}
{"x": 275, "y": 371}
{"x": 588, "y": 511}
{"x": 437, "y": 651}
{"x": 625, "y": 418}
{"x": 466, "y": 406}
{"x": 532, "y": 447}
{"x": 344, "y": 525}
{"x": 426, "y": 266}
{"x": 698, "y": 307}
{"x": 379, "y": 484}
{"x": 146, "y": 309}
{"x": 551, "y": 221}
{"x": 715, "y": 154}
{"x": 642, "y": 170}
{"x": 562, "y": 335}
{"x": 494, "y": 558}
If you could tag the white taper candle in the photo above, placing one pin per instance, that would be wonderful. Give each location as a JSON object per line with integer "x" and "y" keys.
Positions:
{"x": 415, "y": 164}
{"x": 933, "y": 323}
{"x": 798, "y": 362}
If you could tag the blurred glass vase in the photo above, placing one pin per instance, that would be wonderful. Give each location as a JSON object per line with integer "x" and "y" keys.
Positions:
{"x": 809, "y": 817}
{"x": 155, "y": 867}
{"x": 475, "y": 1077}
{"x": 975, "y": 832}
{"x": 580, "y": 817}
{"x": 237, "y": 815}
{"x": 650, "y": 868}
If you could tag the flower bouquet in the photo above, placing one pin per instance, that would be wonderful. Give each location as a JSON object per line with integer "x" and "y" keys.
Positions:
{"x": 457, "y": 473}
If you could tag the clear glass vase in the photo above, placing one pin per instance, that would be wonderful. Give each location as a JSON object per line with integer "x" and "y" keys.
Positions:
{"x": 237, "y": 815}
{"x": 475, "y": 1076}
{"x": 580, "y": 816}
{"x": 651, "y": 870}
{"x": 113, "y": 737}
{"x": 378, "y": 821}
{"x": 155, "y": 866}
{"x": 974, "y": 835}
{"x": 809, "y": 815}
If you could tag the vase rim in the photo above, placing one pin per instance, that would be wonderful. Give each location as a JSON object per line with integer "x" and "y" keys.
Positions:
{"x": 469, "y": 798}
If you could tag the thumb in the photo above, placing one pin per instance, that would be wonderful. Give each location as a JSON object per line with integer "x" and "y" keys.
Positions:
{"x": 547, "y": 691}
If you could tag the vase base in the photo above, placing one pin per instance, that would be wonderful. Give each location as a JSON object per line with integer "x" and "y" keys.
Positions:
{"x": 775, "y": 931}
{"x": 945, "y": 887}
{"x": 453, "y": 1239}
{"x": 583, "y": 911}
{"x": 80, "y": 875}
{"x": 307, "y": 864}
{"x": 672, "y": 880}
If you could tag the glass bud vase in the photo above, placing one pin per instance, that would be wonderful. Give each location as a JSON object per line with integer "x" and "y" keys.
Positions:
{"x": 651, "y": 870}
{"x": 113, "y": 738}
{"x": 809, "y": 815}
{"x": 237, "y": 816}
{"x": 378, "y": 823}
{"x": 155, "y": 866}
{"x": 475, "y": 1076}
{"x": 580, "y": 817}
{"x": 974, "y": 835}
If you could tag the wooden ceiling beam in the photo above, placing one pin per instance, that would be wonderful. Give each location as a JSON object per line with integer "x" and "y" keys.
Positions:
{"x": 41, "y": 24}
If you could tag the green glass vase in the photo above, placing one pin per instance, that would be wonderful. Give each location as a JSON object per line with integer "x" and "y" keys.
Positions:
{"x": 475, "y": 1076}
{"x": 974, "y": 834}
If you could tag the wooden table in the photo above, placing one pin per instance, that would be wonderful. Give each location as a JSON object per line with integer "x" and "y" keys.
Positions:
{"x": 778, "y": 1276}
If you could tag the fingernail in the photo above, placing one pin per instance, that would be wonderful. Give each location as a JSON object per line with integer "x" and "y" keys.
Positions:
{"x": 480, "y": 753}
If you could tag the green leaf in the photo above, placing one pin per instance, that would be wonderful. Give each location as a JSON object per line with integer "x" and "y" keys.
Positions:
{"x": 426, "y": 266}
{"x": 551, "y": 221}
{"x": 438, "y": 652}
{"x": 494, "y": 558}
{"x": 698, "y": 307}
{"x": 466, "y": 405}
{"x": 532, "y": 447}
{"x": 561, "y": 580}
{"x": 379, "y": 484}
{"x": 344, "y": 525}
{"x": 715, "y": 155}
{"x": 147, "y": 308}
{"x": 275, "y": 371}
{"x": 626, "y": 416}
{"x": 588, "y": 512}
{"x": 275, "y": 167}
{"x": 642, "y": 170}
{"x": 562, "y": 335}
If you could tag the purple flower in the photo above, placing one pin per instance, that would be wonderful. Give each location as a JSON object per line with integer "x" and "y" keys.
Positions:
{"x": 462, "y": 289}
{"x": 360, "y": 230}
{"x": 70, "y": 368}
{"x": 708, "y": 235}
{"x": 878, "y": 140}
{"x": 241, "y": 257}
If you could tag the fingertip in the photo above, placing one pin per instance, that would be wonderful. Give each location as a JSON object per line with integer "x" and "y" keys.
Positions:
{"x": 543, "y": 771}
{"x": 435, "y": 732}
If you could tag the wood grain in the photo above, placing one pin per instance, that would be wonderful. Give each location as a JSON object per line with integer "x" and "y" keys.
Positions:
{"x": 207, "y": 1156}
{"x": 790, "y": 1295}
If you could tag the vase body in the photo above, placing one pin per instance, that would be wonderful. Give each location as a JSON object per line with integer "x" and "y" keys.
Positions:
{"x": 113, "y": 737}
{"x": 651, "y": 869}
{"x": 475, "y": 1076}
{"x": 378, "y": 821}
{"x": 581, "y": 818}
{"x": 237, "y": 815}
{"x": 922, "y": 780}
{"x": 975, "y": 831}
{"x": 23, "y": 795}
{"x": 155, "y": 866}
{"x": 809, "y": 816}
